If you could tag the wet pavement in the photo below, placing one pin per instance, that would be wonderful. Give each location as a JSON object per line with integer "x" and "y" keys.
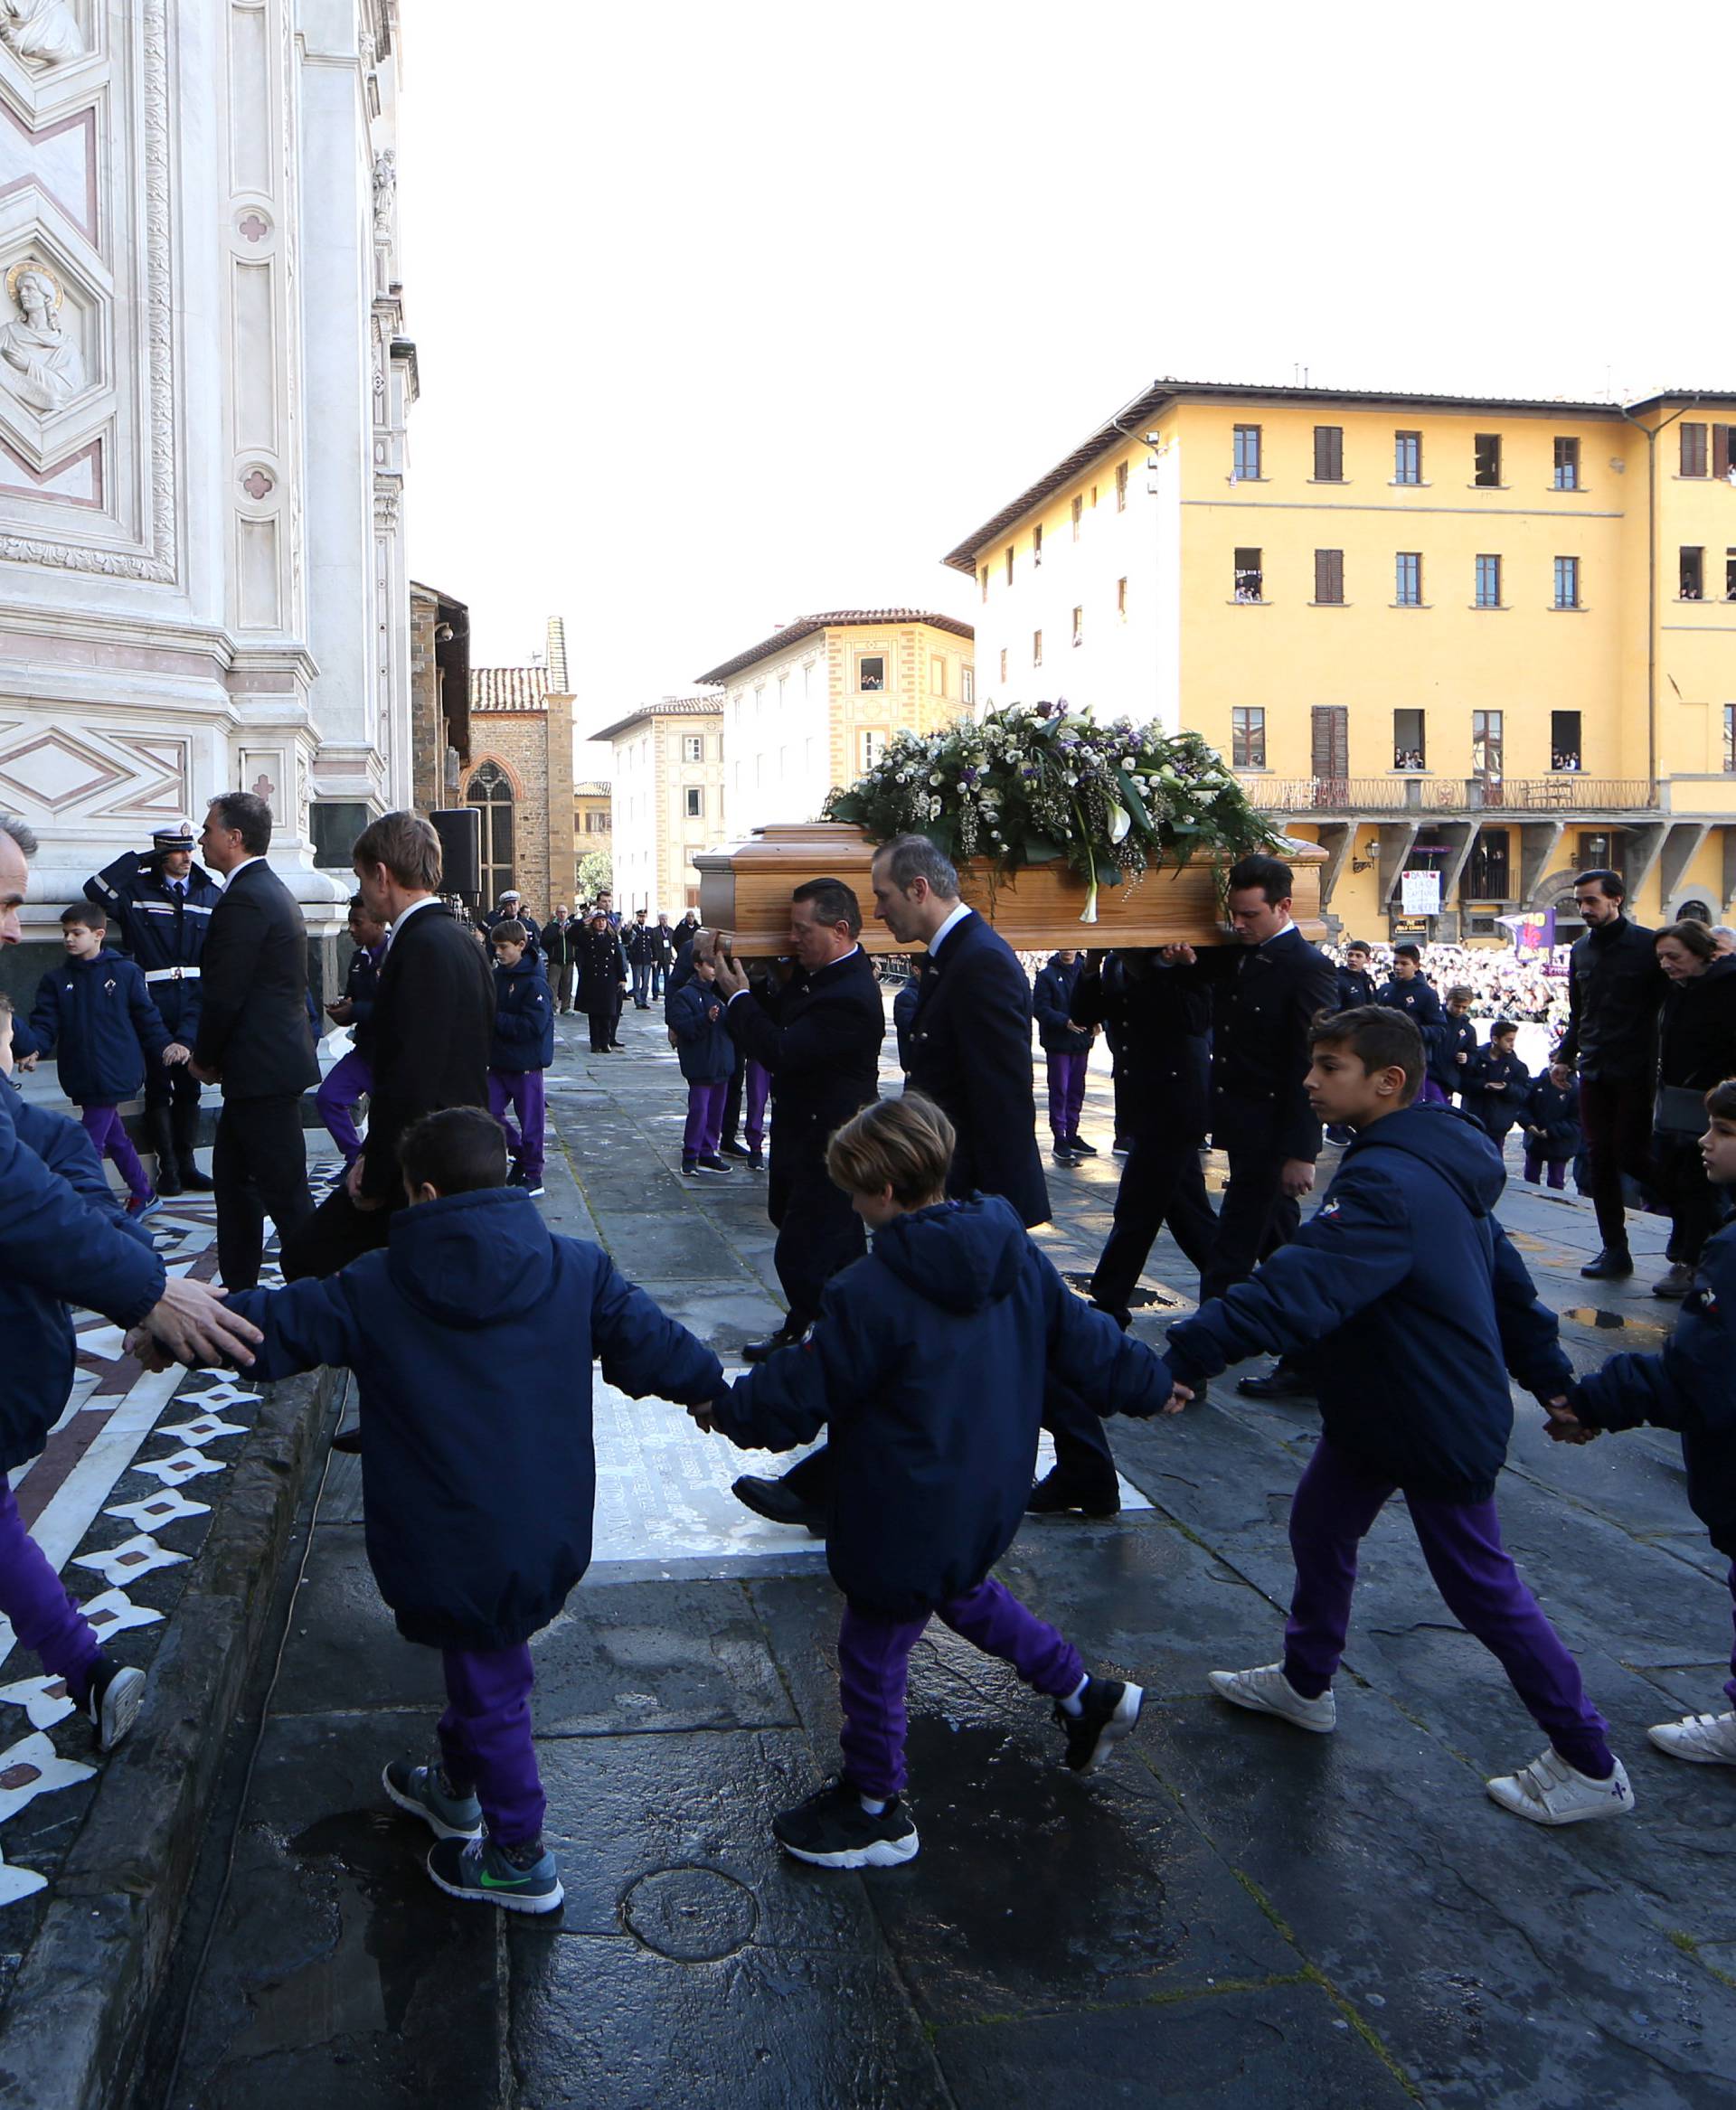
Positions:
{"x": 1232, "y": 1913}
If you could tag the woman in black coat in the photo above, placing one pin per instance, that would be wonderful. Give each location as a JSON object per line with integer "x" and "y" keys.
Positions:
{"x": 602, "y": 979}
{"x": 1696, "y": 1049}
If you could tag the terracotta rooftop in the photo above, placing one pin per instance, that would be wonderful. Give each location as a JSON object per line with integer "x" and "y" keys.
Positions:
{"x": 509, "y": 688}
{"x": 664, "y": 706}
{"x": 1126, "y": 425}
{"x": 833, "y": 618}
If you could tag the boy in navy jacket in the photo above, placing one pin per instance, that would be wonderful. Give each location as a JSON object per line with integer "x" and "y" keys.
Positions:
{"x": 1408, "y": 991}
{"x": 1552, "y": 1117}
{"x": 928, "y": 1361}
{"x": 1067, "y": 1049}
{"x": 351, "y": 1078}
{"x": 1691, "y": 1387}
{"x": 1498, "y": 1085}
{"x": 694, "y": 1013}
{"x": 1418, "y": 1307}
{"x": 472, "y": 1337}
{"x": 523, "y": 1049}
{"x": 95, "y": 1016}
{"x": 1455, "y": 1047}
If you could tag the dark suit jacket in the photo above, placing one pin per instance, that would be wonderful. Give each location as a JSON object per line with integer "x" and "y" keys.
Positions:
{"x": 1163, "y": 1027}
{"x": 1267, "y": 997}
{"x": 433, "y": 1029}
{"x": 253, "y": 1008}
{"x": 823, "y": 1050}
{"x": 970, "y": 1053}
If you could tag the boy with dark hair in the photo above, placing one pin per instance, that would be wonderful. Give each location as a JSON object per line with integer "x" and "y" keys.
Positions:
{"x": 1450, "y": 1060}
{"x": 523, "y": 1049}
{"x": 1408, "y": 991}
{"x": 1418, "y": 1306}
{"x": 95, "y": 1016}
{"x": 472, "y": 1338}
{"x": 1497, "y": 1083}
{"x": 1356, "y": 982}
{"x": 928, "y": 1361}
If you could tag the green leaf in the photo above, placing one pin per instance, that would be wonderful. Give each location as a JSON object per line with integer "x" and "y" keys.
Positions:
{"x": 1109, "y": 872}
{"x": 1040, "y": 849}
{"x": 1131, "y": 799}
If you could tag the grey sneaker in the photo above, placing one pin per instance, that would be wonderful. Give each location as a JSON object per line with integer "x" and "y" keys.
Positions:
{"x": 1549, "y": 1791}
{"x": 1267, "y": 1690}
{"x": 1703, "y": 1740}
{"x": 417, "y": 1788}
{"x": 478, "y": 1870}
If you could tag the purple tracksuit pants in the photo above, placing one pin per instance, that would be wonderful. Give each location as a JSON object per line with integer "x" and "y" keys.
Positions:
{"x": 525, "y": 1092}
{"x": 108, "y": 1138}
{"x": 874, "y": 1668}
{"x": 33, "y": 1597}
{"x": 1332, "y": 1511}
{"x": 344, "y": 1083}
{"x": 704, "y": 1129}
{"x": 484, "y": 1734}
{"x": 1066, "y": 1093}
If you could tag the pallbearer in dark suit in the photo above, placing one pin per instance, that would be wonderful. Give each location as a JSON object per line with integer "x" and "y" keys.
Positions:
{"x": 254, "y": 1039}
{"x": 1266, "y": 988}
{"x": 433, "y": 1029}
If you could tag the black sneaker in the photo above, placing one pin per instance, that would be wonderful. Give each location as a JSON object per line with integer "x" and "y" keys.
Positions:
{"x": 532, "y": 1184}
{"x": 832, "y": 1830}
{"x": 478, "y": 1870}
{"x": 1120, "y": 1147}
{"x": 689, "y": 1166}
{"x": 1107, "y": 1712}
{"x": 1055, "y": 1492}
{"x": 1079, "y": 1147}
{"x": 735, "y": 1150}
{"x": 196, "y": 1182}
{"x": 1064, "y": 1156}
{"x": 112, "y": 1700}
{"x": 709, "y": 1162}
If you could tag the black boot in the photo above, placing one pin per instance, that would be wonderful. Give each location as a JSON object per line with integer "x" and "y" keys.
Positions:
{"x": 184, "y": 1126}
{"x": 161, "y": 1136}
{"x": 1058, "y": 1491}
{"x": 1610, "y": 1265}
{"x": 1282, "y": 1381}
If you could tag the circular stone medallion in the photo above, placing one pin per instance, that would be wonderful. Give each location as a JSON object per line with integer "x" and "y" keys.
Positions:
{"x": 691, "y": 1915}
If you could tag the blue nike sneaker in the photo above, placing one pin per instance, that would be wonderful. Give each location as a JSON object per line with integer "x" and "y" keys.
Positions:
{"x": 477, "y": 1869}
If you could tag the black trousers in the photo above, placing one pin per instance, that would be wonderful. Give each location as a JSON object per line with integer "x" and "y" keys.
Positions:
{"x": 1082, "y": 1454}
{"x": 1254, "y": 1219}
{"x": 1695, "y": 1206}
{"x": 259, "y": 1168}
{"x": 1615, "y": 1115}
{"x": 732, "y": 1102}
{"x": 334, "y": 1235}
{"x": 1162, "y": 1181}
{"x": 176, "y": 1094}
{"x": 602, "y": 1029}
{"x": 819, "y": 1233}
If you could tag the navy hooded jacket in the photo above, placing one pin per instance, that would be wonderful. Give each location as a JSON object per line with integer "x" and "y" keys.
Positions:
{"x": 1051, "y": 1006}
{"x": 97, "y": 1019}
{"x": 1690, "y": 1386}
{"x": 1456, "y": 1037}
{"x": 1418, "y": 1305}
{"x": 703, "y": 1044}
{"x": 1557, "y": 1114}
{"x": 58, "y": 1239}
{"x": 472, "y": 1338}
{"x": 1419, "y": 1004}
{"x": 928, "y": 1361}
{"x": 524, "y": 1016}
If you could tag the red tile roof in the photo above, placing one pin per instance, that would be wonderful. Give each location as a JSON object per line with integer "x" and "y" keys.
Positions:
{"x": 834, "y": 618}
{"x": 664, "y": 706}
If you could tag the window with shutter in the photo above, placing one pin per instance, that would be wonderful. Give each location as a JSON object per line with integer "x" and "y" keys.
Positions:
{"x": 1330, "y": 727}
{"x": 1328, "y": 454}
{"x": 1486, "y": 461}
{"x": 1328, "y": 577}
{"x": 1693, "y": 450}
{"x": 1721, "y": 450}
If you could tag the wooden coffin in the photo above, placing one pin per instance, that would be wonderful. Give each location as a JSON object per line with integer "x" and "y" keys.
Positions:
{"x": 745, "y": 889}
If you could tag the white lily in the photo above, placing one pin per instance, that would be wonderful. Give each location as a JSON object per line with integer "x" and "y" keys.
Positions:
{"x": 1120, "y": 821}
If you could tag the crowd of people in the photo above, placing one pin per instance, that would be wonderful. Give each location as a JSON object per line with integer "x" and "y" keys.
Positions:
{"x": 931, "y": 1357}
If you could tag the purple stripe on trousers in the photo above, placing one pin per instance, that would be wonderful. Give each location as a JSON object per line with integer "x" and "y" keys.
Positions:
{"x": 485, "y": 1739}
{"x": 874, "y": 1668}
{"x": 1332, "y": 1511}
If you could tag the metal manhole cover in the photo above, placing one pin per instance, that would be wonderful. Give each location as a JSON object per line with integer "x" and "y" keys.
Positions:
{"x": 691, "y": 1915}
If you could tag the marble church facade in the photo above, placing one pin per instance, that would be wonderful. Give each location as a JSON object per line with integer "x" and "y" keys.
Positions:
{"x": 204, "y": 388}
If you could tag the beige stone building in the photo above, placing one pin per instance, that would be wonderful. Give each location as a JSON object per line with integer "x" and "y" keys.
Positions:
{"x": 439, "y": 698}
{"x": 816, "y": 702}
{"x": 593, "y": 823}
{"x": 519, "y": 776}
{"x": 667, "y": 800}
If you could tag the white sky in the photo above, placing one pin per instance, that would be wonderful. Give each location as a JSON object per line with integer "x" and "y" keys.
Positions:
{"x": 728, "y": 314}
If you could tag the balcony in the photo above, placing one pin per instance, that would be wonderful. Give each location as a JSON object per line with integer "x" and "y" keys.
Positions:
{"x": 1355, "y": 796}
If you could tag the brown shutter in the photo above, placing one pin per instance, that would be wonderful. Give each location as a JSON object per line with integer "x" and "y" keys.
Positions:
{"x": 1329, "y": 576}
{"x": 1331, "y": 729}
{"x": 1693, "y": 450}
{"x": 1721, "y": 450}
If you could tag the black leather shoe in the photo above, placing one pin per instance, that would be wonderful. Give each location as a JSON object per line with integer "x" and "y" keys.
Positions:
{"x": 777, "y": 1505}
{"x": 757, "y": 1351}
{"x": 1281, "y": 1382}
{"x": 196, "y": 1182}
{"x": 349, "y": 1442}
{"x": 1608, "y": 1267}
{"x": 1054, "y": 1493}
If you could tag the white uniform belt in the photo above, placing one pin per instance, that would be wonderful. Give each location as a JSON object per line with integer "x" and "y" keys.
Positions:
{"x": 171, "y": 974}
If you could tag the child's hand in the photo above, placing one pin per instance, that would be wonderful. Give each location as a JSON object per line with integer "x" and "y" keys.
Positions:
{"x": 701, "y": 1417}
{"x": 1180, "y": 1396}
{"x": 1564, "y": 1425}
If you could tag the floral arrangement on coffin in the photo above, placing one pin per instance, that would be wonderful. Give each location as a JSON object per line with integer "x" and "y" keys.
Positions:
{"x": 1028, "y": 785}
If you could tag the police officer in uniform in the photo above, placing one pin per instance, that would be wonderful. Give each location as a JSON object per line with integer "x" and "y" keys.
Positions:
{"x": 159, "y": 906}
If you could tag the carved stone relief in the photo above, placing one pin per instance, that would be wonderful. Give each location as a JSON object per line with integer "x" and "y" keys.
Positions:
{"x": 41, "y": 32}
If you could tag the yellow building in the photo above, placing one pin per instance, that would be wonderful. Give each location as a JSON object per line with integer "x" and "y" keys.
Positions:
{"x": 592, "y": 822}
{"x": 666, "y": 800}
{"x": 814, "y": 704}
{"x": 1491, "y": 640}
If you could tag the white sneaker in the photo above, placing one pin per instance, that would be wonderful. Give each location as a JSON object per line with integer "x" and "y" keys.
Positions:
{"x": 1549, "y": 1792}
{"x": 1267, "y": 1690}
{"x": 1704, "y": 1739}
